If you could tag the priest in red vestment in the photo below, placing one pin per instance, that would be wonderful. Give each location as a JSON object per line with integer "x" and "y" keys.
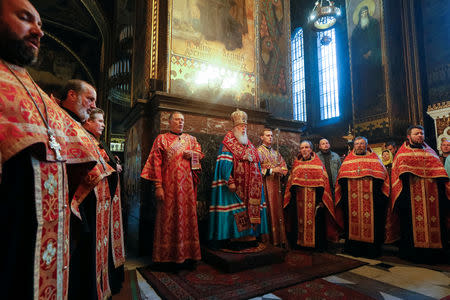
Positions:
{"x": 419, "y": 209}
{"x": 116, "y": 253}
{"x": 36, "y": 157}
{"x": 90, "y": 203}
{"x": 174, "y": 165}
{"x": 308, "y": 186}
{"x": 362, "y": 191}
{"x": 273, "y": 168}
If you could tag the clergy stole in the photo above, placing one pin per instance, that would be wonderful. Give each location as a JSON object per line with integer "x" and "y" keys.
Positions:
{"x": 117, "y": 239}
{"x": 360, "y": 210}
{"x": 103, "y": 196}
{"x": 51, "y": 260}
{"x": 424, "y": 197}
{"x": 306, "y": 215}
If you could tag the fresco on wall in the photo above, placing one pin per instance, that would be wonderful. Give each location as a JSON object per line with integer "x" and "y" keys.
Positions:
{"x": 366, "y": 59}
{"x": 213, "y": 50}
{"x": 274, "y": 58}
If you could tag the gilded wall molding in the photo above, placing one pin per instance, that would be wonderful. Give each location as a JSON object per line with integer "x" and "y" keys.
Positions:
{"x": 440, "y": 112}
{"x": 154, "y": 40}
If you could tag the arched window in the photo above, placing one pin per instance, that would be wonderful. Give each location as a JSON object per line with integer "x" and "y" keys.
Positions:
{"x": 298, "y": 76}
{"x": 328, "y": 80}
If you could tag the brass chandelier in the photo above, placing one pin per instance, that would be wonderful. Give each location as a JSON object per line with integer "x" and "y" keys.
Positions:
{"x": 324, "y": 17}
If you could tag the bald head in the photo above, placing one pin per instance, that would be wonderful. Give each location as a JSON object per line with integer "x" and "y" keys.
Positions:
{"x": 20, "y": 32}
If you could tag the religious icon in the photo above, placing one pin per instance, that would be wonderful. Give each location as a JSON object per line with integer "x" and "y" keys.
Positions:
{"x": 366, "y": 57}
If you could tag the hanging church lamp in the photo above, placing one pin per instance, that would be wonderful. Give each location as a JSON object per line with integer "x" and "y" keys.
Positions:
{"x": 323, "y": 16}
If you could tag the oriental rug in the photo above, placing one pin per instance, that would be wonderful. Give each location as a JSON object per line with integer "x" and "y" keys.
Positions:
{"x": 320, "y": 289}
{"x": 207, "y": 282}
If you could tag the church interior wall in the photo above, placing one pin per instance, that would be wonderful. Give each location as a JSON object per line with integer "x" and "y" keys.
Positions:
{"x": 435, "y": 24}
{"x": 77, "y": 48}
{"x": 209, "y": 131}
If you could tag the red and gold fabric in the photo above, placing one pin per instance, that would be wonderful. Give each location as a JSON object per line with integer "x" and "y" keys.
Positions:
{"x": 21, "y": 127}
{"x": 116, "y": 223}
{"x": 176, "y": 230}
{"x": 361, "y": 221}
{"x": 272, "y": 187}
{"x": 100, "y": 171}
{"x": 51, "y": 262}
{"x": 97, "y": 181}
{"x": 308, "y": 176}
{"x": 246, "y": 175}
{"x": 271, "y": 159}
{"x": 422, "y": 163}
{"x": 359, "y": 166}
{"x": 360, "y": 171}
{"x": 423, "y": 168}
{"x": 103, "y": 205}
{"x": 117, "y": 239}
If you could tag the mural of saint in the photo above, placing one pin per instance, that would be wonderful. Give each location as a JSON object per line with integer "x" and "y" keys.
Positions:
{"x": 366, "y": 61}
{"x": 224, "y": 21}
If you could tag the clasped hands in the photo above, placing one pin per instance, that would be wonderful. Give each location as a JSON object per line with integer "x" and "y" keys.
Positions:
{"x": 232, "y": 187}
{"x": 187, "y": 154}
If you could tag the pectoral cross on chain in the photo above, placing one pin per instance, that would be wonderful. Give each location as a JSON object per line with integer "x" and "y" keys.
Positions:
{"x": 54, "y": 145}
{"x": 359, "y": 170}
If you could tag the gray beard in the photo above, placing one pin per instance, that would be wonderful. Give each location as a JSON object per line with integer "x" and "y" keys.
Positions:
{"x": 242, "y": 138}
{"x": 364, "y": 22}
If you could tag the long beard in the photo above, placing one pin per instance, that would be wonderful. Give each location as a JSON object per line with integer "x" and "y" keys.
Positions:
{"x": 241, "y": 137}
{"x": 364, "y": 22}
{"x": 14, "y": 50}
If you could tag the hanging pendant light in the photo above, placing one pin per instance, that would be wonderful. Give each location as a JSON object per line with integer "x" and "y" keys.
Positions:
{"x": 322, "y": 16}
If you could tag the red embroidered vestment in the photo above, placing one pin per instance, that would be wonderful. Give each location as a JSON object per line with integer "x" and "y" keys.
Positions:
{"x": 307, "y": 176}
{"x": 360, "y": 170}
{"x": 21, "y": 127}
{"x": 272, "y": 187}
{"x": 424, "y": 168}
{"x": 176, "y": 231}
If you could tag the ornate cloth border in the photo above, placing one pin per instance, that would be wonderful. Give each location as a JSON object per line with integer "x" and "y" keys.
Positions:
{"x": 51, "y": 261}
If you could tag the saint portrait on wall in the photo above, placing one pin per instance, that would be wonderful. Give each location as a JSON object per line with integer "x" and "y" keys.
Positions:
{"x": 224, "y": 21}
{"x": 212, "y": 49}
{"x": 366, "y": 59}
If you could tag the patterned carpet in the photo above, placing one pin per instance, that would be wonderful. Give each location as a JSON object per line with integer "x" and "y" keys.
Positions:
{"x": 206, "y": 282}
{"x": 319, "y": 289}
